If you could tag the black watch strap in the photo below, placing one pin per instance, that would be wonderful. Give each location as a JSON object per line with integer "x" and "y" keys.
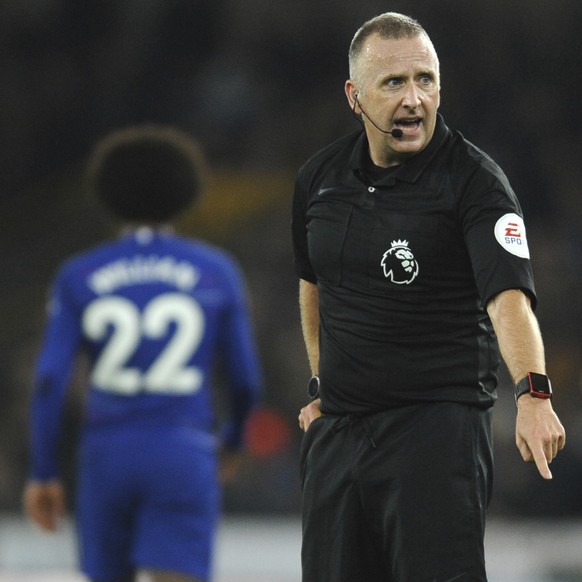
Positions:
{"x": 537, "y": 385}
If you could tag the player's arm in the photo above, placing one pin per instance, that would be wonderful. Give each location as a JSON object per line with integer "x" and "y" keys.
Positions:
{"x": 243, "y": 370}
{"x": 44, "y": 496}
{"x": 539, "y": 433}
{"x": 309, "y": 308}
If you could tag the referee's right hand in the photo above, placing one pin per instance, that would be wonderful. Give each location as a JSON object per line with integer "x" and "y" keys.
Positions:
{"x": 309, "y": 413}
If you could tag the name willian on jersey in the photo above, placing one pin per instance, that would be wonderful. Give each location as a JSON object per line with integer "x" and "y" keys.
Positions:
{"x": 142, "y": 269}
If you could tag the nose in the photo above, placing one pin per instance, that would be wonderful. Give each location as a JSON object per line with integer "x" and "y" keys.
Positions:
{"x": 411, "y": 97}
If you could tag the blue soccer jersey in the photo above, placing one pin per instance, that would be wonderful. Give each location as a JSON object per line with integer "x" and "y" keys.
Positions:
{"x": 155, "y": 313}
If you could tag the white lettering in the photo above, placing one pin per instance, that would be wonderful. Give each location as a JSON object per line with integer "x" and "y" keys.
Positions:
{"x": 143, "y": 269}
{"x": 513, "y": 240}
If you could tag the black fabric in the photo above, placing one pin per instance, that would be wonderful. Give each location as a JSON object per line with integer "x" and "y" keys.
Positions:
{"x": 405, "y": 266}
{"x": 397, "y": 496}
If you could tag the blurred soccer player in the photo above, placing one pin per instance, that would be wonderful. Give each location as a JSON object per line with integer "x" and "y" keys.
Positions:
{"x": 154, "y": 312}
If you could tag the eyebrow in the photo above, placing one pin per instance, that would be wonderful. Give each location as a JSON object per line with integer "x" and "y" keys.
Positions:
{"x": 422, "y": 73}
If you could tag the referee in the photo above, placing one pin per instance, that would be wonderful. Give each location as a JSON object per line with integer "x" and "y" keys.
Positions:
{"x": 415, "y": 280}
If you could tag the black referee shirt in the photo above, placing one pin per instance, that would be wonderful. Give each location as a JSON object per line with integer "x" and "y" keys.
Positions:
{"x": 405, "y": 261}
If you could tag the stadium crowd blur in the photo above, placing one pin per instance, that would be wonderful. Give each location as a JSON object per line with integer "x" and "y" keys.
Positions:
{"x": 260, "y": 83}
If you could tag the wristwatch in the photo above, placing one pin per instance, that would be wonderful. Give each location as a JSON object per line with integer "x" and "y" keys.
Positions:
{"x": 538, "y": 386}
{"x": 313, "y": 388}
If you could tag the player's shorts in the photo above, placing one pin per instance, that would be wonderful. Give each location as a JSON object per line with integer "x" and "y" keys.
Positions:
{"x": 146, "y": 499}
{"x": 398, "y": 496}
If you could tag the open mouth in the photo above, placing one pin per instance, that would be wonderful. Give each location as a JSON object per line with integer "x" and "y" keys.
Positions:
{"x": 404, "y": 124}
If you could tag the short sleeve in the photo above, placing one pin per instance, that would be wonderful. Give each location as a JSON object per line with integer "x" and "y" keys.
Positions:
{"x": 302, "y": 264}
{"x": 495, "y": 234}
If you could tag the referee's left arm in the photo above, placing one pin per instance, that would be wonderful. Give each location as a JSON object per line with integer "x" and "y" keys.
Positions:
{"x": 539, "y": 433}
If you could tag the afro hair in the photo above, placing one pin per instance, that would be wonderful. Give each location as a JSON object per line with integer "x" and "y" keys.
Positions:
{"x": 146, "y": 173}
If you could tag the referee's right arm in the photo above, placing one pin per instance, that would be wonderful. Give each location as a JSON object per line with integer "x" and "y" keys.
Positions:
{"x": 309, "y": 306}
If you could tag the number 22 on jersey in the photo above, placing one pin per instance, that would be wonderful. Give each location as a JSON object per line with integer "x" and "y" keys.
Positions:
{"x": 169, "y": 372}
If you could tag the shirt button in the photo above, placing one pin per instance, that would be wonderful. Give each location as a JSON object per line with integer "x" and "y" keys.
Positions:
{"x": 371, "y": 189}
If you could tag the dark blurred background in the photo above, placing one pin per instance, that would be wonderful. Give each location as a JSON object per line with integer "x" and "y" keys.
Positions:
{"x": 260, "y": 83}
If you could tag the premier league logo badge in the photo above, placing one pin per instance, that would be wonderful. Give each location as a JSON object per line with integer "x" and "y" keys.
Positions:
{"x": 399, "y": 264}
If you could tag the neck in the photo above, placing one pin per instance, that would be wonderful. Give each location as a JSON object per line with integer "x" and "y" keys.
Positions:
{"x": 137, "y": 228}
{"x": 382, "y": 155}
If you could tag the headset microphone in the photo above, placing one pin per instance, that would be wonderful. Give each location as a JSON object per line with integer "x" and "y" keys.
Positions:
{"x": 397, "y": 133}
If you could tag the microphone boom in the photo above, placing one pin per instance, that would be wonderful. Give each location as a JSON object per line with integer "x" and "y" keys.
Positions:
{"x": 396, "y": 132}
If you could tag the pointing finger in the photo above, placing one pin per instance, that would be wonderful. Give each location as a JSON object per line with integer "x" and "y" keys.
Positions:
{"x": 542, "y": 463}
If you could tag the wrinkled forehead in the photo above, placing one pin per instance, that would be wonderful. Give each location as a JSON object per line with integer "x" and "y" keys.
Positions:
{"x": 398, "y": 53}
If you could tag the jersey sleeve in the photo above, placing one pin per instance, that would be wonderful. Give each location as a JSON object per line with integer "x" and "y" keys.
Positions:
{"x": 52, "y": 374}
{"x": 495, "y": 234}
{"x": 302, "y": 264}
{"x": 240, "y": 356}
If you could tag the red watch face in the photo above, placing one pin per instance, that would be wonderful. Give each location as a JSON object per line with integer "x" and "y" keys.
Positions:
{"x": 539, "y": 385}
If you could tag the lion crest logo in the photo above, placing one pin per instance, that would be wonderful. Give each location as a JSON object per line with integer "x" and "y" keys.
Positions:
{"x": 399, "y": 264}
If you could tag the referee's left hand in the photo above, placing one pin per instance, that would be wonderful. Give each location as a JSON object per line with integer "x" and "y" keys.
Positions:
{"x": 539, "y": 434}
{"x": 309, "y": 413}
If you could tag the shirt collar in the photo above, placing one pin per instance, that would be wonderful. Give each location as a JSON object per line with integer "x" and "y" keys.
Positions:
{"x": 411, "y": 169}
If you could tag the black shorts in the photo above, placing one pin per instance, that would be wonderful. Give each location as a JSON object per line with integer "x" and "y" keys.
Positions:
{"x": 398, "y": 496}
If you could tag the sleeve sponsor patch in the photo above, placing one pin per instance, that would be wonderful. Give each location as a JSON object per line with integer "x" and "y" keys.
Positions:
{"x": 510, "y": 234}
